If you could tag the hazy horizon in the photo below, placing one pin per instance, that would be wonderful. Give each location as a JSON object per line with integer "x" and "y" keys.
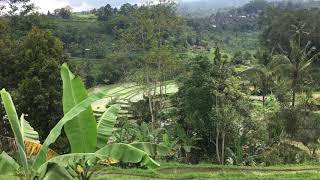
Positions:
{"x": 81, "y": 5}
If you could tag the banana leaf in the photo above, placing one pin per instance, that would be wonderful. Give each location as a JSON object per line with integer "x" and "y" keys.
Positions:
{"x": 56, "y": 131}
{"x": 15, "y": 126}
{"x": 118, "y": 152}
{"x": 52, "y": 171}
{"x": 8, "y": 166}
{"x": 152, "y": 149}
{"x": 82, "y": 130}
{"x": 106, "y": 124}
{"x": 10, "y": 177}
{"x": 126, "y": 153}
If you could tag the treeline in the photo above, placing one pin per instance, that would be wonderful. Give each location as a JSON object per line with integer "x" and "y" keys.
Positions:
{"x": 259, "y": 114}
{"x": 143, "y": 46}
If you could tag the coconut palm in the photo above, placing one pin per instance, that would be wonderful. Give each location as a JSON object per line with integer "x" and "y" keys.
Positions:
{"x": 297, "y": 63}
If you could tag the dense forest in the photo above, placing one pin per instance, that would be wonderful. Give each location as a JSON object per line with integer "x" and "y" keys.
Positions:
{"x": 112, "y": 91}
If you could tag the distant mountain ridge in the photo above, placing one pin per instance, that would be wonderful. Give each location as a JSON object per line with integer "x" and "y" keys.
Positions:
{"x": 207, "y": 7}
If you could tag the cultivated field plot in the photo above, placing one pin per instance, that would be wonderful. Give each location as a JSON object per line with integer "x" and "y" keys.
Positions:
{"x": 179, "y": 171}
{"x": 129, "y": 92}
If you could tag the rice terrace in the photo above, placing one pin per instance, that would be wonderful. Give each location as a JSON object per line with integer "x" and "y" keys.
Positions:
{"x": 159, "y": 89}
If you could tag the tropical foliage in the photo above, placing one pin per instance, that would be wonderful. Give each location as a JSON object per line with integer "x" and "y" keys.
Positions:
{"x": 44, "y": 166}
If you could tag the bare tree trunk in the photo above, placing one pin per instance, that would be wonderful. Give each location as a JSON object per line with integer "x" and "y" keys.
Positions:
{"x": 165, "y": 85}
{"x": 154, "y": 105}
{"x": 151, "y": 109}
{"x": 294, "y": 87}
{"x": 293, "y": 97}
{"x": 223, "y": 144}
{"x": 150, "y": 99}
{"x": 160, "y": 84}
{"x": 217, "y": 145}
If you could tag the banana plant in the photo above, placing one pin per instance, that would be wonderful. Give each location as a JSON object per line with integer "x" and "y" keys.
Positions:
{"x": 23, "y": 131}
{"x": 85, "y": 153}
{"x": 99, "y": 131}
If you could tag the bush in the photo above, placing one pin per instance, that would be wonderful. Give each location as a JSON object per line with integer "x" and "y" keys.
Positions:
{"x": 284, "y": 153}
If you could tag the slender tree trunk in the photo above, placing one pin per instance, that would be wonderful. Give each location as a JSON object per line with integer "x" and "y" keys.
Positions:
{"x": 263, "y": 100}
{"x": 150, "y": 99}
{"x": 151, "y": 109}
{"x": 160, "y": 88}
{"x": 223, "y": 144}
{"x": 154, "y": 105}
{"x": 294, "y": 87}
{"x": 217, "y": 145}
{"x": 314, "y": 152}
{"x": 165, "y": 83}
{"x": 293, "y": 97}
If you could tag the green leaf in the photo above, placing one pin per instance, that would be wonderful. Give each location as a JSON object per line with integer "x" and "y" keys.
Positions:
{"x": 56, "y": 131}
{"x": 27, "y": 131}
{"x": 152, "y": 149}
{"x": 82, "y": 130}
{"x": 52, "y": 171}
{"x": 8, "y": 165}
{"x": 106, "y": 124}
{"x": 126, "y": 153}
{"x": 10, "y": 177}
{"x": 72, "y": 159}
{"x": 15, "y": 126}
{"x": 120, "y": 152}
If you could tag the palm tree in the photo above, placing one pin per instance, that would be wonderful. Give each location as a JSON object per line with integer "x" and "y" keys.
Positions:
{"x": 296, "y": 62}
{"x": 262, "y": 72}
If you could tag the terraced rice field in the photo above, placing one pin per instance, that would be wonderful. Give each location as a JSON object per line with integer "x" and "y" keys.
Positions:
{"x": 124, "y": 92}
{"x": 180, "y": 171}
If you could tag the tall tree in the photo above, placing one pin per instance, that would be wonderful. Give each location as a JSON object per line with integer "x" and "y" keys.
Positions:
{"x": 39, "y": 92}
{"x": 64, "y": 13}
{"x": 7, "y": 56}
{"x": 105, "y": 13}
{"x": 152, "y": 37}
{"x": 7, "y": 63}
{"x": 297, "y": 62}
{"x": 210, "y": 104}
{"x": 279, "y": 26}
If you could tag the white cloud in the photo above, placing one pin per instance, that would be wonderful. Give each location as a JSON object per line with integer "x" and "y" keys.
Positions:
{"x": 77, "y": 5}
{"x": 49, "y": 5}
{"x": 80, "y": 5}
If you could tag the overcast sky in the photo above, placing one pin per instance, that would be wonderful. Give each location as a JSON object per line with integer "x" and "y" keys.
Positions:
{"x": 79, "y": 5}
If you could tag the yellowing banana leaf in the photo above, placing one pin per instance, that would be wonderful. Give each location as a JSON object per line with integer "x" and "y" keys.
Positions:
{"x": 32, "y": 149}
{"x": 108, "y": 162}
{"x": 82, "y": 130}
{"x": 106, "y": 124}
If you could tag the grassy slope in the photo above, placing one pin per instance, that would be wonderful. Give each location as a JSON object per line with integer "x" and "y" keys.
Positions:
{"x": 181, "y": 171}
